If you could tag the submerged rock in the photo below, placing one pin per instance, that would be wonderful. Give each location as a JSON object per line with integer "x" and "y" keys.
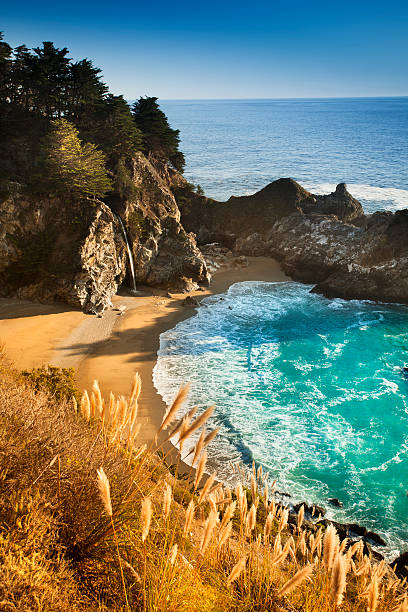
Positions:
{"x": 335, "y": 502}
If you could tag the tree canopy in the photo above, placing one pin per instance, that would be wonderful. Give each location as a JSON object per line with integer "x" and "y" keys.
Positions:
{"x": 74, "y": 167}
{"x": 42, "y": 85}
{"x": 160, "y": 139}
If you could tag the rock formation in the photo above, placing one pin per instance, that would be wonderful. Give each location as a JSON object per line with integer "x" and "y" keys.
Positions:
{"x": 164, "y": 254}
{"x": 325, "y": 240}
{"x": 75, "y": 252}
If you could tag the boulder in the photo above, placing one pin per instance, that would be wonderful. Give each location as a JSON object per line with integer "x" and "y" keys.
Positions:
{"x": 400, "y": 565}
{"x": 190, "y": 301}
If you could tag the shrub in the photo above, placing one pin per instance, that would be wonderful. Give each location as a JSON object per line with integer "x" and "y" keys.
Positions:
{"x": 59, "y": 382}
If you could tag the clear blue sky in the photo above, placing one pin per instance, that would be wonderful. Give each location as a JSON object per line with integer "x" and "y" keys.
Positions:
{"x": 225, "y": 49}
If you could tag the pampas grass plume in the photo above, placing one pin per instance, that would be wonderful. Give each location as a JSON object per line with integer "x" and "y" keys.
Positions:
{"x": 146, "y": 517}
{"x": 237, "y": 570}
{"x": 104, "y": 491}
{"x": 173, "y": 554}
{"x": 85, "y": 406}
{"x": 330, "y": 546}
{"x": 297, "y": 579}
{"x": 372, "y": 594}
{"x": 167, "y": 499}
{"x": 338, "y": 579}
{"x": 175, "y": 407}
{"x": 196, "y": 424}
{"x": 200, "y": 469}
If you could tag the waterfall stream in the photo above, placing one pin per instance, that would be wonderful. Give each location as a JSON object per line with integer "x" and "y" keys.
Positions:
{"x": 129, "y": 250}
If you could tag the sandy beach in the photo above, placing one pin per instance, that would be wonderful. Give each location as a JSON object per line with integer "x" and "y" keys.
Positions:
{"x": 112, "y": 348}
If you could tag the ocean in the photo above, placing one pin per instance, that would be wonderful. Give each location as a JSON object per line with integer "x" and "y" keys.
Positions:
{"x": 236, "y": 147}
{"x": 310, "y": 388}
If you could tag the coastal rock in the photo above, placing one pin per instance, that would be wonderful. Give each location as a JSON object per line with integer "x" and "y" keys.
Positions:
{"x": 400, "y": 565}
{"x": 335, "y": 502}
{"x": 54, "y": 252}
{"x": 190, "y": 301}
{"x": 325, "y": 240}
{"x": 165, "y": 255}
{"x": 313, "y": 510}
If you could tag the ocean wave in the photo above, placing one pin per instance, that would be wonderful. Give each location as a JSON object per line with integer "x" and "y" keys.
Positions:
{"x": 372, "y": 198}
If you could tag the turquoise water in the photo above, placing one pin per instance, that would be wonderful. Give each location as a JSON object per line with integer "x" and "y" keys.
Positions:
{"x": 235, "y": 147}
{"x": 310, "y": 388}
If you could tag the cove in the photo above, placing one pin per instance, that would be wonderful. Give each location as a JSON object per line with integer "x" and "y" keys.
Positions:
{"x": 310, "y": 388}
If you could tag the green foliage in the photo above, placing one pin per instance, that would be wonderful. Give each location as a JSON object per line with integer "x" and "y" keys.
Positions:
{"x": 60, "y": 382}
{"x": 137, "y": 224}
{"x": 74, "y": 167}
{"x": 161, "y": 141}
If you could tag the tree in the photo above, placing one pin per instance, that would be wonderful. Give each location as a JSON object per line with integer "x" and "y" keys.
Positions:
{"x": 161, "y": 141}
{"x": 74, "y": 168}
{"x": 85, "y": 89}
{"x": 50, "y": 79}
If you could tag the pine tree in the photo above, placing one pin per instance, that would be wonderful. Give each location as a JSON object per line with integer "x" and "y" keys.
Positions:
{"x": 74, "y": 168}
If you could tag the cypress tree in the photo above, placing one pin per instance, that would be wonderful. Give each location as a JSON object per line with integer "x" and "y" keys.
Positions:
{"x": 160, "y": 140}
{"x": 74, "y": 168}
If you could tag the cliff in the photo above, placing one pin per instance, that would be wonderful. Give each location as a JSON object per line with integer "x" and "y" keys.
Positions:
{"x": 326, "y": 240}
{"x": 75, "y": 252}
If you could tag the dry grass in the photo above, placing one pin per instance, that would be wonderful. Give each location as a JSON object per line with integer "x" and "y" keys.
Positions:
{"x": 91, "y": 521}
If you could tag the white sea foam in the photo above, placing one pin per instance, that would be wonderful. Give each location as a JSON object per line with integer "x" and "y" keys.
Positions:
{"x": 372, "y": 198}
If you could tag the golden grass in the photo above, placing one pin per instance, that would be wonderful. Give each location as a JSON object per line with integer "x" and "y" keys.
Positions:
{"x": 92, "y": 521}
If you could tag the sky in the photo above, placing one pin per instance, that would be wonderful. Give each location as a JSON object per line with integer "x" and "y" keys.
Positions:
{"x": 224, "y": 49}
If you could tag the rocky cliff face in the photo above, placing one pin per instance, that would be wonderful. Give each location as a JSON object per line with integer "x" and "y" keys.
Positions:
{"x": 165, "y": 255}
{"x": 51, "y": 250}
{"x": 325, "y": 240}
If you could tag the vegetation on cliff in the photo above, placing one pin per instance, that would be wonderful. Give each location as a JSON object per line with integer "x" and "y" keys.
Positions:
{"x": 43, "y": 91}
{"x": 93, "y": 520}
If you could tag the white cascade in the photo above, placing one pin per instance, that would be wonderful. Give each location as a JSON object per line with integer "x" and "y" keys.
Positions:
{"x": 129, "y": 250}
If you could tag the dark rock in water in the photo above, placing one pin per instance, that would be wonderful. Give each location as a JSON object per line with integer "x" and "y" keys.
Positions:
{"x": 282, "y": 493}
{"x": 340, "y": 528}
{"x": 400, "y": 565}
{"x": 335, "y": 502}
{"x": 356, "y": 529}
{"x": 312, "y": 510}
{"x": 375, "y": 538}
{"x": 190, "y": 301}
{"x": 370, "y": 552}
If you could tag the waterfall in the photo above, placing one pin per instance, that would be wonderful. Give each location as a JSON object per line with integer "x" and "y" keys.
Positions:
{"x": 129, "y": 250}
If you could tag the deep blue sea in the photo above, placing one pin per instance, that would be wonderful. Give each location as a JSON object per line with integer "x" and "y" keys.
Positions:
{"x": 310, "y": 388}
{"x": 235, "y": 147}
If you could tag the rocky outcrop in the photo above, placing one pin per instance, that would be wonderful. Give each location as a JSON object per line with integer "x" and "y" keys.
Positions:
{"x": 165, "y": 255}
{"x": 324, "y": 240}
{"x": 52, "y": 251}
{"x": 75, "y": 252}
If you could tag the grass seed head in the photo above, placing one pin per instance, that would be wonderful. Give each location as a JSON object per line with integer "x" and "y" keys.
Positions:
{"x": 104, "y": 491}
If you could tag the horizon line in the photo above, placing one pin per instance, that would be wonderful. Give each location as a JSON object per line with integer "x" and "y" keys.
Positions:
{"x": 285, "y": 98}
